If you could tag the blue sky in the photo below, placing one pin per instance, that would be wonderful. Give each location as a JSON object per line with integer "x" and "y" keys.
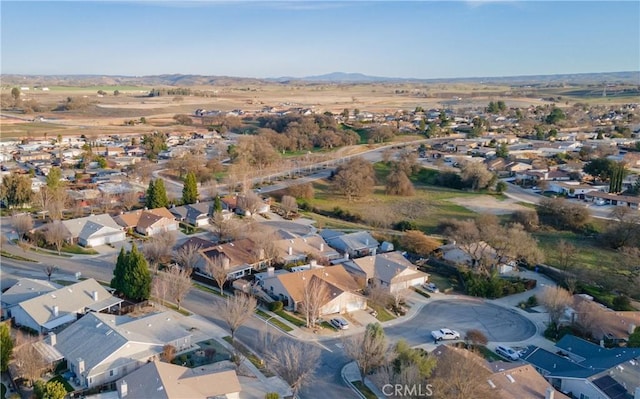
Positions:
{"x": 419, "y": 39}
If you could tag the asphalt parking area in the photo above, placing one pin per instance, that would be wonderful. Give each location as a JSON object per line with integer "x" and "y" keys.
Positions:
{"x": 497, "y": 323}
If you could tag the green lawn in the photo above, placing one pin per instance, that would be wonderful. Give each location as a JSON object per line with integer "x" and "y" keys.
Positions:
{"x": 273, "y": 321}
{"x": 291, "y": 318}
{"x": 383, "y": 314}
{"x": 16, "y": 257}
{"x": 78, "y": 250}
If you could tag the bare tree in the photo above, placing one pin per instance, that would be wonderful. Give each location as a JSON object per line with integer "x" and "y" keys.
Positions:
{"x": 222, "y": 226}
{"x": 158, "y": 249}
{"x": 399, "y": 184}
{"x": 105, "y": 201}
{"x": 178, "y": 283}
{"x": 58, "y": 202}
{"x": 56, "y": 234}
{"x": 159, "y": 288}
{"x": 586, "y": 317}
{"x": 294, "y": 361}
{"x": 168, "y": 353}
{"x": 368, "y": 349}
{"x": 22, "y": 224}
{"x": 555, "y": 300}
{"x": 218, "y": 268}
{"x": 315, "y": 294}
{"x": 49, "y": 270}
{"x": 417, "y": 242}
{"x": 28, "y": 361}
{"x": 188, "y": 256}
{"x": 289, "y": 205}
{"x": 42, "y": 198}
{"x": 130, "y": 199}
{"x": 566, "y": 254}
{"x": 250, "y": 203}
{"x": 476, "y": 175}
{"x": 572, "y": 283}
{"x": 379, "y": 296}
{"x": 355, "y": 178}
{"x": 237, "y": 310}
{"x": 460, "y": 374}
{"x": 476, "y": 337}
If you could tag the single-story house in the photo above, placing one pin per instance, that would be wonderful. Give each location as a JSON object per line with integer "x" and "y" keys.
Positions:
{"x": 390, "y": 270}
{"x": 22, "y": 290}
{"x": 587, "y": 370}
{"x": 100, "y": 348}
{"x": 355, "y": 245}
{"x": 160, "y": 380}
{"x": 340, "y": 287}
{"x": 95, "y": 230}
{"x": 571, "y": 188}
{"x": 295, "y": 248}
{"x": 64, "y": 305}
{"x": 194, "y": 214}
{"x": 613, "y": 199}
{"x": 241, "y": 257}
{"x": 600, "y": 321}
{"x": 149, "y": 222}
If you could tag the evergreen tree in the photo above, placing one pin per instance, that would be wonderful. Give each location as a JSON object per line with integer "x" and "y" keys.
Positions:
{"x": 217, "y": 204}
{"x": 190, "y": 189}
{"x": 6, "y": 346}
{"x": 131, "y": 275}
{"x": 160, "y": 195}
{"x": 53, "y": 178}
{"x": 151, "y": 190}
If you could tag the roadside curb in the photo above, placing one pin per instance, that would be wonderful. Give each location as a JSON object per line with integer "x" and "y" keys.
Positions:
{"x": 349, "y": 384}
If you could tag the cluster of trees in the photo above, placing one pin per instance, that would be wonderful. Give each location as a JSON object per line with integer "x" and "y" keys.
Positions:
{"x": 154, "y": 143}
{"x": 178, "y": 91}
{"x": 131, "y": 276}
{"x": 562, "y": 214}
{"x": 488, "y": 242}
{"x": 15, "y": 190}
{"x": 156, "y": 196}
{"x": 496, "y": 107}
{"x": 355, "y": 178}
{"x": 556, "y": 115}
{"x": 298, "y": 132}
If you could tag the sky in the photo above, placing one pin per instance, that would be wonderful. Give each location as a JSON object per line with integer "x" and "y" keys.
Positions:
{"x": 260, "y": 39}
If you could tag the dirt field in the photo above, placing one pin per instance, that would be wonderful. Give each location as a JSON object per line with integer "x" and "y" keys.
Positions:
{"x": 489, "y": 204}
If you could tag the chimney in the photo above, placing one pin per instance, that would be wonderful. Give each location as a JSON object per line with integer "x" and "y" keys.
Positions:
{"x": 80, "y": 365}
{"x": 270, "y": 271}
{"x": 373, "y": 251}
{"x": 53, "y": 338}
{"x": 290, "y": 251}
{"x": 321, "y": 247}
{"x": 55, "y": 310}
{"x": 95, "y": 296}
{"x": 632, "y": 328}
{"x": 346, "y": 255}
{"x": 225, "y": 262}
{"x": 549, "y": 393}
{"x": 366, "y": 241}
{"x": 313, "y": 263}
{"x": 122, "y": 389}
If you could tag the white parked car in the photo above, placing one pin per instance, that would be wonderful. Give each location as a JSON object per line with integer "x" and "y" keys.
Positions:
{"x": 445, "y": 334}
{"x": 340, "y": 323}
{"x": 431, "y": 287}
{"x": 507, "y": 352}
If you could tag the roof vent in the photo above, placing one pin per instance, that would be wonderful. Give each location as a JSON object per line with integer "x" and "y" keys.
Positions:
{"x": 491, "y": 384}
{"x": 510, "y": 378}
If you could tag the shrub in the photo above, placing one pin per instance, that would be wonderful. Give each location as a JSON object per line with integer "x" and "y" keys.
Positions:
{"x": 622, "y": 303}
{"x": 272, "y": 395}
{"x": 276, "y": 306}
{"x": 532, "y": 301}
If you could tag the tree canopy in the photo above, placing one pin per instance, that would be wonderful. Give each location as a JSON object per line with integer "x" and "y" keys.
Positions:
{"x": 131, "y": 275}
{"x": 190, "y": 189}
{"x": 16, "y": 189}
{"x": 354, "y": 178}
{"x": 156, "y": 195}
{"x": 6, "y": 346}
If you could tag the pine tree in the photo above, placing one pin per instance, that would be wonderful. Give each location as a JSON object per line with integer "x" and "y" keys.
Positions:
{"x": 160, "y": 195}
{"x": 6, "y": 346}
{"x": 190, "y": 189}
{"x": 217, "y": 204}
{"x": 131, "y": 275}
{"x": 118, "y": 272}
{"x": 151, "y": 190}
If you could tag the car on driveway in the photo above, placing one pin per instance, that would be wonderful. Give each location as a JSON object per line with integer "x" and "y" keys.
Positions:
{"x": 431, "y": 287}
{"x": 508, "y": 352}
{"x": 445, "y": 334}
{"x": 339, "y": 323}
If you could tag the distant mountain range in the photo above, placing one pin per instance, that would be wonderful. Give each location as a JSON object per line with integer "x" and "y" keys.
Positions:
{"x": 180, "y": 80}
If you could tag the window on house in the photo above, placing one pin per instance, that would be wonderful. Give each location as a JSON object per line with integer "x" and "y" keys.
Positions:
{"x": 113, "y": 372}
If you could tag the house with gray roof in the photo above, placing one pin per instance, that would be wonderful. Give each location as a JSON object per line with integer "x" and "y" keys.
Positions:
{"x": 195, "y": 214}
{"x": 391, "y": 271}
{"x": 95, "y": 230}
{"x": 161, "y": 380}
{"x": 586, "y": 370}
{"x": 101, "y": 348}
{"x": 22, "y": 290}
{"x": 63, "y": 306}
{"x": 355, "y": 245}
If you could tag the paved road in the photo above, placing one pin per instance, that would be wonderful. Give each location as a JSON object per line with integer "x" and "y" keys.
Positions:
{"x": 499, "y": 324}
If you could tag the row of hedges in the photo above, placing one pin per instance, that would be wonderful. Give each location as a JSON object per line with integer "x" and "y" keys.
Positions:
{"x": 495, "y": 287}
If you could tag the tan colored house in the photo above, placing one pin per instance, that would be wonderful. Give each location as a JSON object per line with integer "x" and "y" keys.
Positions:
{"x": 295, "y": 249}
{"x": 390, "y": 270}
{"x": 161, "y": 380}
{"x": 240, "y": 257}
{"x": 149, "y": 222}
{"x": 602, "y": 322}
{"x": 341, "y": 287}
